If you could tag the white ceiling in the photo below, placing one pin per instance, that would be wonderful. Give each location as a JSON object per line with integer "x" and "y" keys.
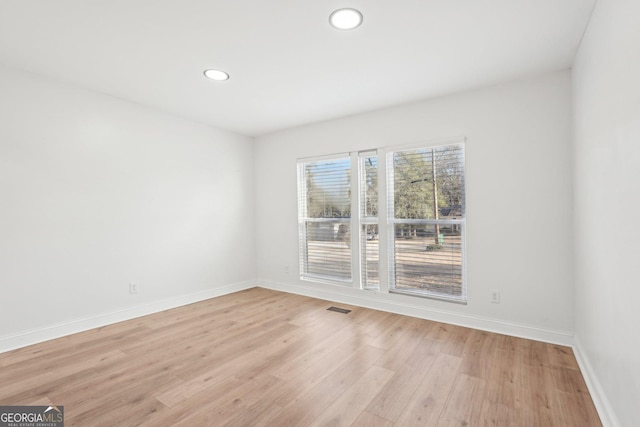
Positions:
{"x": 288, "y": 66}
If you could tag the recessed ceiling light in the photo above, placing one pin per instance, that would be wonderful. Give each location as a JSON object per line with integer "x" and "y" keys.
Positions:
{"x": 345, "y": 19}
{"x": 218, "y": 75}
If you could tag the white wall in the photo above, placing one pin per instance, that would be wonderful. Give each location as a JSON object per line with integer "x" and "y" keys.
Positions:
{"x": 519, "y": 201}
{"x": 606, "y": 79}
{"x": 97, "y": 192}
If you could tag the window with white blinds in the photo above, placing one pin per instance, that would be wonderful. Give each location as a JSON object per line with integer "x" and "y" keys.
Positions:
{"x": 426, "y": 216}
{"x": 324, "y": 212}
{"x": 415, "y": 247}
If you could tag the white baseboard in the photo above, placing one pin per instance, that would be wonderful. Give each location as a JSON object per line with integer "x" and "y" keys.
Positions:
{"x": 34, "y": 336}
{"x": 603, "y": 406}
{"x": 392, "y": 305}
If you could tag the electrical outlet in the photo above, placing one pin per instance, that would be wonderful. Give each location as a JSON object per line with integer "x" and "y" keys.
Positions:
{"x": 133, "y": 288}
{"x": 495, "y": 296}
{"x": 286, "y": 269}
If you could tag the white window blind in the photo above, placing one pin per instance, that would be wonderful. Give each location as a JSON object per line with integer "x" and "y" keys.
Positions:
{"x": 408, "y": 232}
{"x": 324, "y": 212}
{"x": 426, "y": 212}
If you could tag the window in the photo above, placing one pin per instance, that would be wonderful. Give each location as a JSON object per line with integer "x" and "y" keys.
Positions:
{"x": 426, "y": 219}
{"x": 324, "y": 212}
{"x": 406, "y": 209}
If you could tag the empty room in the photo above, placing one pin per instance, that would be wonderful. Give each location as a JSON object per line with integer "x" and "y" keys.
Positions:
{"x": 309, "y": 213}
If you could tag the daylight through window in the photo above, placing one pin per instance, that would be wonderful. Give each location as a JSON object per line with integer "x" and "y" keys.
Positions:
{"x": 324, "y": 209}
{"x": 421, "y": 192}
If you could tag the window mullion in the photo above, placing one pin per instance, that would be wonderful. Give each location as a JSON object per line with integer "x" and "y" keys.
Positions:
{"x": 356, "y": 256}
{"x": 383, "y": 224}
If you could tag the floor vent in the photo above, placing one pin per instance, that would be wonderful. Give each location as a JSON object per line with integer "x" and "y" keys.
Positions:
{"x": 339, "y": 310}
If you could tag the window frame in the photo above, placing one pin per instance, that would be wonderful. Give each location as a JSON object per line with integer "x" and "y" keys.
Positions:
{"x": 385, "y": 221}
{"x": 391, "y": 221}
{"x": 303, "y": 219}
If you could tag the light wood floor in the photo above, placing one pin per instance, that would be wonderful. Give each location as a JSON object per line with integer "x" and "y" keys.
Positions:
{"x": 265, "y": 358}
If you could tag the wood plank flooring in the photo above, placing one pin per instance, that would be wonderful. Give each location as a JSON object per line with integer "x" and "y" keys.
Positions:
{"x": 266, "y": 358}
